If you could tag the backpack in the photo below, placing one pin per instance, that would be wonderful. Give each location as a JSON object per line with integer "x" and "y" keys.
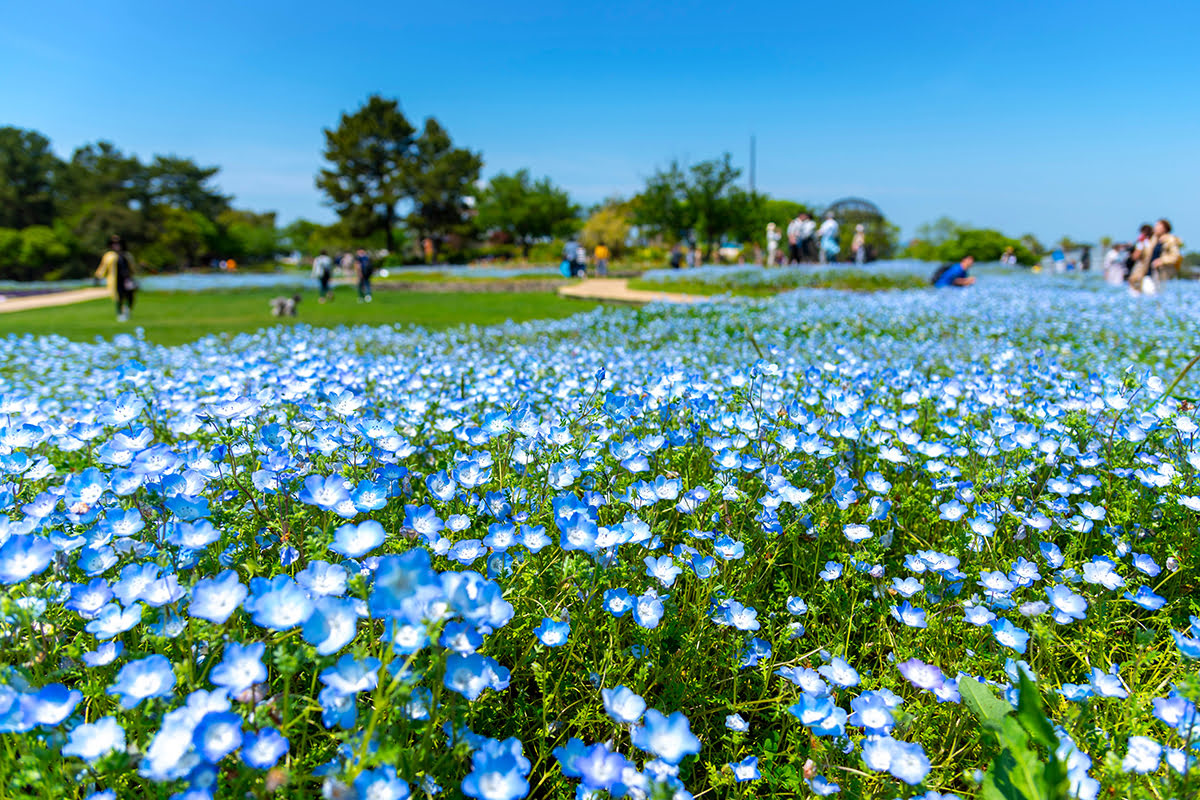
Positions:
{"x": 565, "y": 269}
{"x": 939, "y": 272}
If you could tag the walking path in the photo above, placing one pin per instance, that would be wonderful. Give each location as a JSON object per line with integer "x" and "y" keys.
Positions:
{"x": 51, "y": 299}
{"x": 616, "y": 290}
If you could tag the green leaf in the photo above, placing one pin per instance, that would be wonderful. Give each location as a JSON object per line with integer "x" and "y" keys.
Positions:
{"x": 986, "y": 707}
{"x": 1032, "y": 715}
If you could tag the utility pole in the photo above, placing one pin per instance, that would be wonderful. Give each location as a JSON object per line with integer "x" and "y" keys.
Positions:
{"x": 752, "y": 159}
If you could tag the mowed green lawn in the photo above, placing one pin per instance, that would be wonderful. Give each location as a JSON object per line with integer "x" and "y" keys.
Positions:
{"x": 179, "y": 317}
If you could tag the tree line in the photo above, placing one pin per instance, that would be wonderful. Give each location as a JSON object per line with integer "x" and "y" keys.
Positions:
{"x": 405, "y": 188}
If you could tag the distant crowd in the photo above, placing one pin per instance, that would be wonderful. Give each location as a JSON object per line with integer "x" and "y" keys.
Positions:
{"x": 358, "y": 264}
{"x": 1154, "y": 256}
{"x": 808, "y": 243}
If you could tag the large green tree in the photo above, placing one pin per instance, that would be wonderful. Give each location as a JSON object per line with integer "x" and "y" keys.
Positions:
{"x": 440, "y": 178}
{"x": 28, "y": 169}
{"x": 526, "y": 209}
{"x": 370, "y": 157}
{"x": 661, "y": 209}
{"x": 717, "y": 204}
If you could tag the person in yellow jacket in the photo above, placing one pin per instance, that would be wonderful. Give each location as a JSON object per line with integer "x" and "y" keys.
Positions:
{"x": 117, "y": 268}
{"x": 601, "y": 255}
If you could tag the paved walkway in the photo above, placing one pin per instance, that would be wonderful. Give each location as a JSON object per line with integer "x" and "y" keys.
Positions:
{"x": 50, "y": 299}
{"x": 616, "y": 290}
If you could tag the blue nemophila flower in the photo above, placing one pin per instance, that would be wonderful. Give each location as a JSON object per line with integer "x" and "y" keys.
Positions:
{"x": 148, "y": 677}
{"x": 92, "y": 741}
{"x": 1068, "y": 606}
{"x": 215, "y": 599}
{"x": 24, "y": 556}
{"x": 87, "y": 599}
{"x": 1146, "y": 598}
{"x": 278, "y": 604}
{"x": 498, "y": 777}
{"x": 350, "y": 676}
{"x": 113, "y": 620}
{"x": 909, "y": 615}
{"x": 839, "y": 673}
{"x": 662, "y": 569}
{"x": 323, "y": 578}
{"x": 618, "y": 602}
{"x": 381, "y": 784}
{"x": 52, "y": 704}
{"x": 737, "y": 723}
{"x": 600, "y": 769}
{"x": 736, "y": 615}
{"x": 241, "y": 667}
{"x": 218, "y": 733}
{"x": 356, "y": 541}
{"x": 552, "y": 633}
{"x": 332, "y": 625}
{"x": 832, "y": 571}
{"x": 104, "y": 654}
{"x": 1143, "y": 755}
{"x": 324, "y": 493}
{"x": 622, "y": 704}
{"x": 797, "y": 606}
{"x": 903, "y": 760}
{"x": 471, "y": 675}
{"x": 669, "y": 738}
{"x": 746, "y": 769}
{"x": 648, "y": 610}
{"x": 1101, "y": 571}
{"x": 263, "y": 750}
{"x": 872, "y": 712}
{"x": 1146, "y": 564}
{"x": 856, "y": 533}
{"x": 1009, "y": 635}
{"x": 921, "y": 675}
{"x": 1109, "y": 684}
{"x": 822, "y": 787}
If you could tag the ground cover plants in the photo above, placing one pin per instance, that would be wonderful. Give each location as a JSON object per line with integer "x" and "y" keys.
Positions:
{"x": 758, "y": 282}
{"x": 902, "y": 544}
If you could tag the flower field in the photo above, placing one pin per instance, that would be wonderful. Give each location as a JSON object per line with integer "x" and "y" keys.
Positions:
{"x": 903, "y": 544}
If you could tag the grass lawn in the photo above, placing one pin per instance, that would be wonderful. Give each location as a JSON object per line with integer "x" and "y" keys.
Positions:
{"x": 178, "y": 317}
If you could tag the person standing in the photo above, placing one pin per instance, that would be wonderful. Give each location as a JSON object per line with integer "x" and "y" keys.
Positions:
{"x": 1114, "y": 265}
{"x": 828, "y": 234}
{"x": 1159, "y": 258}
{"x": 117, "y": 268}
{"x": 364, "y": 268}
{"x": 323, "y": 271}
{"x": 859, "y": 244}
{"x": 795, "y": 247}
{"x": 601, "y": 254}
{"x": 773, "y": 237}
{"x": 808, "y": 238}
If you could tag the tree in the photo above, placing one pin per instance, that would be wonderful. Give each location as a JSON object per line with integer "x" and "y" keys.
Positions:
{"x": 609, "y": 225}
{"x": 661, "y": 208}
{"x": 28, "y": 169}
{"x": 526, "y": 209}
{"x": 182, "y": 183}
{"x": 941, "y": 230}
{"x": 713, "y": 200}
{"x": 370, "y": 154}
{"x": 186, "y": 234}
{"x": 440, "y": 179}
{"x": 247, "y": 235}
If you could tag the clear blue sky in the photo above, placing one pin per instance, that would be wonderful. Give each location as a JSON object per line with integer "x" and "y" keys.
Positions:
{"x": 1052, "y": 117}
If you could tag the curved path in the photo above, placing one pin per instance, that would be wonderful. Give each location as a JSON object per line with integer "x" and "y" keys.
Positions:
{"x": 616, "y": 290}
{"x": 50, "y": 299}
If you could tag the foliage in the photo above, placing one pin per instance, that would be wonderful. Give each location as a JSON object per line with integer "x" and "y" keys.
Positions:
{"x": 947, "y": 240}
{"x": 441, "y": 178}
{"x": 370, "y": 156}
{"x": 28, "y": 171}
{"x": 526, "y": 209}
{"x": 762, "y": 283}
{"x": 610, "y": 225}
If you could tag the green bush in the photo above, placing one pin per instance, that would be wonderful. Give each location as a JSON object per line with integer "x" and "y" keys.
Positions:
{"x": 547, "y": 252}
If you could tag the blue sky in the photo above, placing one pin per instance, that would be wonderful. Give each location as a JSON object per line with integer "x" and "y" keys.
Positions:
{"x": 1077, "y": 118}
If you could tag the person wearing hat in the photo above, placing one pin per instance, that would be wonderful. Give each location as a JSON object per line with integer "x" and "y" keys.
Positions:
{"x": 117, "y": 268}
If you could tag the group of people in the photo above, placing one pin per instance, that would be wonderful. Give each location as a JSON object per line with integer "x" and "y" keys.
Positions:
{"x": 575, "y": 259}
{"x": 1144, "y": 263}
{"x": 809, "y": 243}
{"x": 358, "y": 264}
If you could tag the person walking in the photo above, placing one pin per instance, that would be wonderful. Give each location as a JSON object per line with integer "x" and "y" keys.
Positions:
{"x": 859, "y": 244}
{"x": 828, "y": 234}
{"x": 364, "y": 269}
{"x": 601, "y": 254}
{"x": 117, "y": 269}
{"x": 322, "y": 270}
{"x": 773, "y": 237}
